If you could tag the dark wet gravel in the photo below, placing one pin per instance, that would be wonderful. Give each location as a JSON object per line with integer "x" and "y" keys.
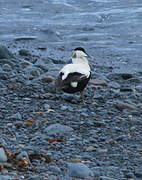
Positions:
{"x": 100, "y": 139}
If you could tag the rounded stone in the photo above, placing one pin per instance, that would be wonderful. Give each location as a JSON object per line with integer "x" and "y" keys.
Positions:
{"x": 6, "y": 67}
{"x": 3, "y": 156}
{"x": 54, "y": 169}
{"x": 79, "y": 170}
{"x": 58, "y": 129}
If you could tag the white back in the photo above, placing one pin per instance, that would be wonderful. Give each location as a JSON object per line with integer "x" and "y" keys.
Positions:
{"x": 71, "y": 68}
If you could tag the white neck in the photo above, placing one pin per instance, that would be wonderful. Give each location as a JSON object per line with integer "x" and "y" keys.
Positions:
{"x": 81, "y": 60}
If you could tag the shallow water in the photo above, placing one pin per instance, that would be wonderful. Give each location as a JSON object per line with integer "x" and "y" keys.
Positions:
{"x": 110, "y": 29}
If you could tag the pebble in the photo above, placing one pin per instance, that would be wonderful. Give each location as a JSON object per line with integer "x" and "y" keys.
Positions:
{"x": 25, "y": 64}
{"x": 2, "y": 177}
{"x": 5, "y": 53}
{"x": 47, "y": 79}
{"x": 22, "y": 155}
{"x": 102, "y": 150}
{"x": 34, "y": 177}
{"x": 64, "y": 108}
{"x": 79, "y": 170}
{"x": 35, "y": 72}
{"x": 114, "y": 85}
{"x": 3, "y": 156}
{"x": 138, "y": 172}
{"x": 98, "y": 82}
{"x": 58, "y": 129}
{"x": 138, "y": 88}
{"x": 129, "y": 175}
{"x": 24, "y": 52}
{"x": 126, "y": 89}
{"x": 46, "y": 106}
{"x": 68, "y": 97}
{"x": 7, "y": 67}
{"x": 106, "y": 178}
{"x": 121, "y": 105}
{"x": 54, "y": 169}
{"x": 121, "y": 138}
{"x": 53, "y": 177}
{"x": 126, "y": 76}
{"x": 16, "y": 116}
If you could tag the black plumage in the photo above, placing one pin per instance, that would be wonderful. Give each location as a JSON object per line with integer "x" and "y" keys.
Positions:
{"x": 66, "y": 86}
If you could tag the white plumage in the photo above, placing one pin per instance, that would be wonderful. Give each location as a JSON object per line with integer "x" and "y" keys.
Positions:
{"x": 74, "y": 77}
{"x": 72, "y": 68}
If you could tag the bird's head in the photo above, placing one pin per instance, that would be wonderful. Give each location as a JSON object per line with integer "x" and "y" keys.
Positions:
{"x": 79, "y": 55}
{"x": 80, "y": 52}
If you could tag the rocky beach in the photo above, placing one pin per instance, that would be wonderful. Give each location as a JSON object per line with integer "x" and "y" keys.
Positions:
{"x": 49, "y": 135}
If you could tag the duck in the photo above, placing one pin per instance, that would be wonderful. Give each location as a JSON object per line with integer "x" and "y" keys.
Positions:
{"x": 75, "y": 76}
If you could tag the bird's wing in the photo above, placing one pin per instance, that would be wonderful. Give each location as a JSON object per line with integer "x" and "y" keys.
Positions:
{"x": 62, "y": 84}
{"x": 76, "y": 78}
{"x": 73, "y": 77}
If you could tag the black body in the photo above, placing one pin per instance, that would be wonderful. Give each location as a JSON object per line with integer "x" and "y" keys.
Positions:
{"x": 65, "y": 85}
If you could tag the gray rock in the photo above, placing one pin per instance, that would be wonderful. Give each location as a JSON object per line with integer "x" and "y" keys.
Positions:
{"x": 121, "y": 75}
{"x": 126, "y": 75}
{"x": 5, "y": 53}
{"x": 25, "y": 64}
{"x": 3, "y": 75}
{"x": 98, "y": 82}
{"x": 134, "y": 80}
{"x": 79, "y": 170}
{"x": 114, "y": 85}
{"x": 35, "y": 177}
{"x": 106, "y": 178}
{"x": 126, "y": 89}
{"x": 58, "y": 129}
{"x": 16, "y": 116}
{"x": 64, "y": 108}
{"x": 122, "y": 105}
{"x": 54, "y": 169}
{"x": 121, "y": 138}
{"x": 46, "y": 106}
{"x": 23, "y": 154}
{"x": 52, "y": 177}
{"x": 47, "y": 79}
{"x": 97, "y": 96}
{"x": 68, "y": 97}
{"x": 139, "y": 88}
{"x": 3, "y": 177}
{"x": 138, "y": 172}
{"x": 24, "y": 52}
{"x": 3, "y": 156}
{"x": 44, "y": 65}
{"x": 35, "y": 72}
{"x": 129, "y": 175}
{"x": 6, "y": 67}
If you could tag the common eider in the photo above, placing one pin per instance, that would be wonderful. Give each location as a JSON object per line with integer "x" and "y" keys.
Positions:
{"x": 74, "y": 77}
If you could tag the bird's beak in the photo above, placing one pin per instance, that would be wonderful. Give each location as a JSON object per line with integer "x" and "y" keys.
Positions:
{"x": 90, "y": 56}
